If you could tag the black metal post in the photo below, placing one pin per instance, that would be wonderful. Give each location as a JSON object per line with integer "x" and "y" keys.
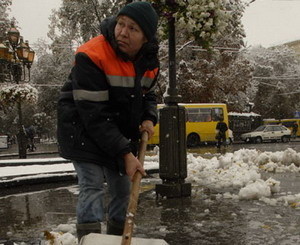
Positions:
{"x": 22, "y": 146}
{"x": 21, "y": 134}
{"x": 17, "y": 55}
{"x": 172, "y": 139}
{"x": 172, "y": 97}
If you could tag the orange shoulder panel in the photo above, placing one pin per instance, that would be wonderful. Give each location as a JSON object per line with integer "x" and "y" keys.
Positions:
{"x": 102, "y": 54}
{"x": 151, "y": 73}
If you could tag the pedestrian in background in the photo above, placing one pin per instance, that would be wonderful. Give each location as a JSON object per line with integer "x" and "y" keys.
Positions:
{"x": 295, "y": 130}
{"x": 221, "y": 129}
{"x": 107, "y": 101}
{"x": 30, "y": 134}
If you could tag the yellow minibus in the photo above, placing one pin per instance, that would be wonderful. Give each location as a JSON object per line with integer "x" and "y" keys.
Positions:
{"x": 201, "y": 122}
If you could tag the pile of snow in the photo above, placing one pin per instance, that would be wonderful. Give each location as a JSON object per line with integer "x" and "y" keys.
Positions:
{"x": 241, "y": 170}
{"x": 64, "y": 234}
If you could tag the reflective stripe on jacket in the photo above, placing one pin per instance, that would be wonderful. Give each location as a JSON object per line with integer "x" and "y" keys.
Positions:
{"x": 118, "y": 73}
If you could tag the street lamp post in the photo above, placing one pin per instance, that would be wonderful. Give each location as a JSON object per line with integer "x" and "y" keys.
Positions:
{"x": 15, "y": 58}
{"x": 172, "y": 139}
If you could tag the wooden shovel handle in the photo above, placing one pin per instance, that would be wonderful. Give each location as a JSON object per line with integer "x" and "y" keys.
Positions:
{"x": 134, "y": 194}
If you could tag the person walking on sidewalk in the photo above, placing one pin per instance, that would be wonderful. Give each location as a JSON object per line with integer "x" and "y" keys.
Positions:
{"x": 221, "y": 129}
{"x": 30, "y": 133}
{"x": 106, "y": 102}
{"x": 294, "y": 130}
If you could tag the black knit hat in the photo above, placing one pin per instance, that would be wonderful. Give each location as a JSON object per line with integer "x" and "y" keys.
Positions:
{"x": 144, "y": 15}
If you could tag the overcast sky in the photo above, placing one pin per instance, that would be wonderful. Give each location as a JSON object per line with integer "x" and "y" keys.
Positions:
{"x": 32, "y": 16}
{"x": 266, "y": 22}
{"x": 272, "y": 22}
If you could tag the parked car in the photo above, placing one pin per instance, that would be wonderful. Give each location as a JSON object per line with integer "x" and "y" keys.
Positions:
{"x": 268, "y": 133}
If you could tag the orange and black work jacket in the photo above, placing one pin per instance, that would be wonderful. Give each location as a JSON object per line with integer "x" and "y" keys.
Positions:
{"x": 103, "y": 103}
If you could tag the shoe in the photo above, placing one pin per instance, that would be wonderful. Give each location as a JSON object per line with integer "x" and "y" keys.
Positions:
{"x": 115, "y": 228}
{"x": 87, "y": 228}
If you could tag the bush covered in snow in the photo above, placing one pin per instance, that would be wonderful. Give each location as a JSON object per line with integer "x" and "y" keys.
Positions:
{"x": 12, "y": 93}
{"x": 204, "y": 20}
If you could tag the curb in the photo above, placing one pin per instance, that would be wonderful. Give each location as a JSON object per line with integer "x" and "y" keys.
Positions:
{"x": 58, "y": 177}
{"x": 32, "y": 161}
{"x": 53, "y": 178}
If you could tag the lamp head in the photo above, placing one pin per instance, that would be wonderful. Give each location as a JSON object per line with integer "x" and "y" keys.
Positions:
{"x": 3, "y": 52}
{"x": 13, "y": 35}
{"x": 22, "y": 50}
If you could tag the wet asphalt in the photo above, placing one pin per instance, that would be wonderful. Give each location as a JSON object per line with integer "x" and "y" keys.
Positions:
{"x": 203, "y": 218}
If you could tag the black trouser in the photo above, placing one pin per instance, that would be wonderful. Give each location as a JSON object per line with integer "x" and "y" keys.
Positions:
{"x": 221, "y": 139}
{"x": 30, "y": 144}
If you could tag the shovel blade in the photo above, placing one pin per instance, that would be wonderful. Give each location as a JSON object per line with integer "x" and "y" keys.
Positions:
{"x": 103, "y": 239}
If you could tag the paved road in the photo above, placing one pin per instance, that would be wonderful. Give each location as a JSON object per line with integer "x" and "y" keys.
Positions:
{"x": 211, "y": 150}
{"x": 43, "y": 149}
{"x": 205, "y": 218}
{"x": 50, "y": 149}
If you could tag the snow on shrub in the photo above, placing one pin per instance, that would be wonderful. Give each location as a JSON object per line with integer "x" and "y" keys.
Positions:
{"x": 12, "y": 93}
{"x": 204, "y": 20}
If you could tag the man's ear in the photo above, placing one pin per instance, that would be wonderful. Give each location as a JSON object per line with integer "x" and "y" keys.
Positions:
{"x": 145, "y": 39}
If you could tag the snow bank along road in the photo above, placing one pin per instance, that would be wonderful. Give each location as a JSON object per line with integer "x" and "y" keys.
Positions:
{"x": 17, "y": 172}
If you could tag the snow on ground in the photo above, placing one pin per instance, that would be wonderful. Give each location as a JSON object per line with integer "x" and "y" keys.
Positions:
{"x": 242, "y": 170}
{"x": 34, "y": 169}
{"x": 239, "y": 171}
